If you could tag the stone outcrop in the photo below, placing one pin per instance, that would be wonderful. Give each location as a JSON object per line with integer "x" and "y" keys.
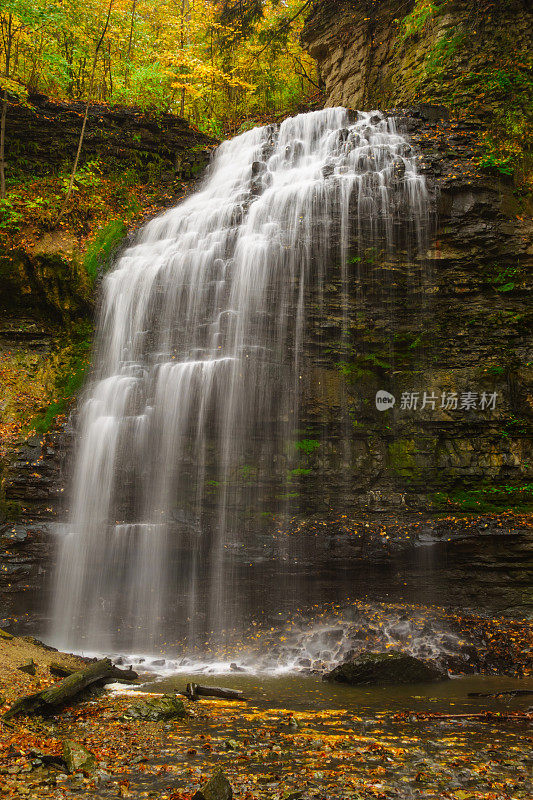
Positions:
{"x": 369, "y": 57}
{"x": 462, "y": 325}
{"x": 45, "y": 133}
{"x": 392, "y": 668}
{"x": 47, "y": 274}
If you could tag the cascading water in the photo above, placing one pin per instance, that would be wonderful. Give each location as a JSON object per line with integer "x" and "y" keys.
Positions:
{"x": 184, "y": 433}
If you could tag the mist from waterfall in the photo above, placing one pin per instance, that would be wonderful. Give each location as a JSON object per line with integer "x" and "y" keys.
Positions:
{"x": 184, "y": 433}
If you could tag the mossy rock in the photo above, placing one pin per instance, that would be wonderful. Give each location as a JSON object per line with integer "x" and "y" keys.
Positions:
{"x": 384, "y": 669}
{"x": 159, "y": 708}
{"x": 217, "y": 788}
{"x": 78, "y": 758}
{"x": 402, "y": 459}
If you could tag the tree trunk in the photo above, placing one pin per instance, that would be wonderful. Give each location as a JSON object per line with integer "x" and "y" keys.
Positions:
{"x": 130, "y": 41}
{"x": 3, "y": 147}
{"x": 91, "y": 83}
{"x": 184, "y": 12}
{"x": 56, "y": 696}
{"x": 8, "y": 40}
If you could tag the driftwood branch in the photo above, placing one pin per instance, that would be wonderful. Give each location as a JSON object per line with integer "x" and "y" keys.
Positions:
{"x": 194, "y": 691}
{"x": 507, "y": 693}
{"x": 483, "y": 716}
{"x": 48, "y": 700}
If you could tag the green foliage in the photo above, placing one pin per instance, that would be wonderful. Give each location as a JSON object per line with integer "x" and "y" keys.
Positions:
{"x": 247, "y": 473}
{"x": 415, "y": 22}
{"x": 101, "y": 250}
{"x": 502, "y": 278}
{"x": 508, "y": 287}
{"x": 88, "y": 176}
{"x": 502, "y": 164}
{"x": 488, "y": 499}
{"x": 10, "y": 216}
{"x": 498, "y": 86}
{"x": 307, "y": 446}
{"x": 146, "y": 86}
{"x": 70, "y": 377}
{"x": 362, "y": 366}
{"x": 299, "y": 472}
{"x": 440, "y": 57}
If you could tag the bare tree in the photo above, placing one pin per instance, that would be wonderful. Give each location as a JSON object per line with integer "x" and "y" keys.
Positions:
{"x": 87, "y": 104}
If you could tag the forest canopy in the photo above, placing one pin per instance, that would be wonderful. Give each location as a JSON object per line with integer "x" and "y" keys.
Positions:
{"x": 216, "y": 63}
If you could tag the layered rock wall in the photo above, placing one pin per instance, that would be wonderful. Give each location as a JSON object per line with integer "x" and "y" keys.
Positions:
{"x": 391, "y": 52}
{"x": 463, "y": 325}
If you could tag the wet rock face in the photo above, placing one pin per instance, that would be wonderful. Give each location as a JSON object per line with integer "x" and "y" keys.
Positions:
{"x": 49, "y": 275}
{"x": 432, "y": 328}
{"x": 384, "y": 669}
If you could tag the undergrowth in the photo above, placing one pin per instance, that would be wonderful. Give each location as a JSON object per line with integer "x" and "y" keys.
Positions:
{"x": 487, "y": 499}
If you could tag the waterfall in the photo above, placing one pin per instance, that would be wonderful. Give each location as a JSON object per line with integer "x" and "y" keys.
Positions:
{"x": 184, "y": 432}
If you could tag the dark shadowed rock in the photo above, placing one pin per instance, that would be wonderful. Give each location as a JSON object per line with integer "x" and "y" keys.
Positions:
{"x": 384, "y": 668}
{"x": 29, "y": 668}
{"x": 217, "y": 788}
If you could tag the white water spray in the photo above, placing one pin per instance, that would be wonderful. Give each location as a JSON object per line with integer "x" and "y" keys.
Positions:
{"x": 196, "y": 384}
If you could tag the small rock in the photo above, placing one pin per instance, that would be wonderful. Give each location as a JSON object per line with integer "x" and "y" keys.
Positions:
{"x": 29, "y": 668}
{"x": 230, "y": 744}
{"x": 78, "y": 758}
{"x": 159, "y": 708}
{"x": 217, "y": 788}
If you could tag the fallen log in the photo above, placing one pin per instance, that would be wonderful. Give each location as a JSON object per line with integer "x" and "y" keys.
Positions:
{"x": 194, "y": 691}
{"x": 52, "y": 698}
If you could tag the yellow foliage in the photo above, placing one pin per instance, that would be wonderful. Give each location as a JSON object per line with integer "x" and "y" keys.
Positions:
{"x": 171, "y": 56}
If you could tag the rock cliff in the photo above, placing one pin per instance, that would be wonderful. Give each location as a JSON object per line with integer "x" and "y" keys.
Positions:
{"x": 465, "y": 326}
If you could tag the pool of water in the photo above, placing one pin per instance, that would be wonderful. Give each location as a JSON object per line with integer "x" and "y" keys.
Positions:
{"x": 308, "y": 692}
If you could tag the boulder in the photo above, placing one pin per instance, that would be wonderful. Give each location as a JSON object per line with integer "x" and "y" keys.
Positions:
{"x": 384, "y": 668}
{"x": 158, "y": 708}
{"x": 29, "y": 667}
{"x": 78, "y": 758}
{"x": 217, "y": 788}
